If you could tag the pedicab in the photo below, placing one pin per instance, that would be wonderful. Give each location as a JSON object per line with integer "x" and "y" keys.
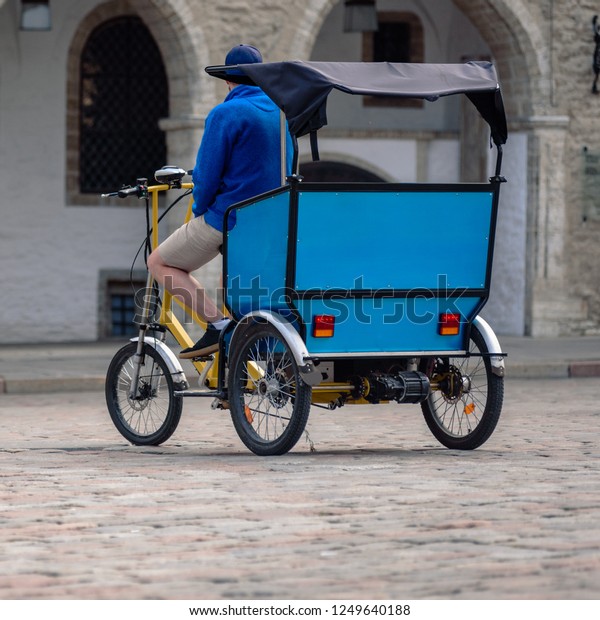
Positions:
{"x": 340, "y": 293}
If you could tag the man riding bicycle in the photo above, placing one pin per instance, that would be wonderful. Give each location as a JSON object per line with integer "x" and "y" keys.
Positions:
{"x": 239, "y": 157}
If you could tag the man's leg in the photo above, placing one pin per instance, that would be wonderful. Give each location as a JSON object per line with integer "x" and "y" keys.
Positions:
{"x": 183, "y": 285}
{"x": 192, "y": 245}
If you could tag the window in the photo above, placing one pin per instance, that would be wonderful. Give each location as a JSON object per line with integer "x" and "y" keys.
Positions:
{"x": 391, "y": 42}
{"x": 120, "y": 294}
{"x": 122, "y": 311}
{"x": 123, "y": 94}
{"x": 399, "y": 38}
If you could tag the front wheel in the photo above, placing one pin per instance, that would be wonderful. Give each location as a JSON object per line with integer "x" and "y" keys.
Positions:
{"x": 268, "y": 399}
{"x": 465, "y": 401}
{"x": 151, "y": 416}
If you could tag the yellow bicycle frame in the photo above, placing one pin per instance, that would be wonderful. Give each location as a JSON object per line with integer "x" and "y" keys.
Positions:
{"x": 208, "y": 370}
{"x": 167, "y": 318}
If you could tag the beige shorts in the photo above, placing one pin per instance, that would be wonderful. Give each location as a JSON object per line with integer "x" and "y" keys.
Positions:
{"x": 192, "y": 245}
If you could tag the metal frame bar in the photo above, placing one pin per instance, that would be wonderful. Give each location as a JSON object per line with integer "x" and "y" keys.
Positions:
{"x": 167, "y": 318}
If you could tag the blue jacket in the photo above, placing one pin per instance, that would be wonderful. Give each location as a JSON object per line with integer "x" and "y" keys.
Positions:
{"x": 239, "y": 156}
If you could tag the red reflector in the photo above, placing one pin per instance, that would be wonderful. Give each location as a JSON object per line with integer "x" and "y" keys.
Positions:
{"x": 449, "y": 324}
{"x": 323, "y": 325}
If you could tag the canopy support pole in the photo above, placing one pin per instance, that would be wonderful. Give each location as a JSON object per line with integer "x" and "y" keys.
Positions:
{"x": 295, "y": 162}
{"x": 498, "y": 178}
{"x": 282, "y": 138}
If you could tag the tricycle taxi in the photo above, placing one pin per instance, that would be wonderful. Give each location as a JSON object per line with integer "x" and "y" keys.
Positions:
{"x": 340, "y": 293}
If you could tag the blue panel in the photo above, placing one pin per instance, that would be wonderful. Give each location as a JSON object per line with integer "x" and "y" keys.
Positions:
{"x": 395, "y": 240}
{"x": 256, "y": 255}
{"x": 384, "y": 325}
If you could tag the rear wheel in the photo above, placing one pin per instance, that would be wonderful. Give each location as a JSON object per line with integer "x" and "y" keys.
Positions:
{"x": 151, "y": 417}
{"x": 465, "y": 402}
{"x": 268, "y": 399}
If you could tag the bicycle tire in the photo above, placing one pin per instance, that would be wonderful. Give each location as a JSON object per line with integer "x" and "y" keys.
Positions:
{"x": 269, "y": 401}
{"x": 152, "y": 418}
{"x": 463, "y": 414}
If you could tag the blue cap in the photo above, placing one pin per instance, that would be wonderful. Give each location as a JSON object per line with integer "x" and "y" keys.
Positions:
{"x": 242, "y": 55}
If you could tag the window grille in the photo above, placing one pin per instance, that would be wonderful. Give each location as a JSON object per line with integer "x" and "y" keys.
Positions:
{"x": 122, "y": 311}
{"x": 123, "y": 94}
{"x": 391, "y": 42}
{"x": 399, "y": 38}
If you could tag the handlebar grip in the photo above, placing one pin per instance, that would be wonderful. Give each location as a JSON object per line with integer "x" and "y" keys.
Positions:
{"x": 140, "y": 190}
{"x": 128, "y": 191}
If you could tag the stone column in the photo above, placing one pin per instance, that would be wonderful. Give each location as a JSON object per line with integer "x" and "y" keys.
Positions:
{"x": 183, "y": 134}
{"x": 549, "y": 307}
{"x": 183, "y": 138}
{"x": 506, "y": 309}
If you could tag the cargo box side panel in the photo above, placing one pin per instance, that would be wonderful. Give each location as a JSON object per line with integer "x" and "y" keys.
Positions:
{"x": 393, "y": 240}
{"x": 256, "y": 257}
{"x": 385, "y": 325}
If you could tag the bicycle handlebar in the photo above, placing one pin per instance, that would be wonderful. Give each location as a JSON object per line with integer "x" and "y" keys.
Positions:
{"x": 140, "y": 189}
{"x": 168, "y": 175}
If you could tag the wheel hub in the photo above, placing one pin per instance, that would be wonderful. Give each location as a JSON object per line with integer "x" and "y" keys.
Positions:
{"x": 145, "y": 393}
{"x": 453, "y": 384}
{"x": 270, "y": 388}
{"x": 267, "y": 387}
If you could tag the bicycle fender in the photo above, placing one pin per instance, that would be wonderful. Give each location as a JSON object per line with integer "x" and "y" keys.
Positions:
{"x": 170, "y": 359}
{"x": 288, "y": 332}
{"x": 493, "y": 345}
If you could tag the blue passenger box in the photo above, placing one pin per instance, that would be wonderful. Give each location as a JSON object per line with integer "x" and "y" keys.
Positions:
{"x": 385, "y": 260}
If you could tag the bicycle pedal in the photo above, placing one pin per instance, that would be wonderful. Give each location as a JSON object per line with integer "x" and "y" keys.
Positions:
{"x": 156, "y": 327}
{"x": 218, "y": 403}
{"x": 203, "y": 358}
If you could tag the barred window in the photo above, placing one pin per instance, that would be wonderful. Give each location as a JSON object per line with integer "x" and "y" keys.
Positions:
{"x": 123, "y": 94}
{"x": 398, "y": 38}
{"x": 122, "y": 311}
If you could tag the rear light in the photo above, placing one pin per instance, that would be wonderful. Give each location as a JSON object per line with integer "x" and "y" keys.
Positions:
{"x": 323, "y": 325}
{"x": 449, "y": 324}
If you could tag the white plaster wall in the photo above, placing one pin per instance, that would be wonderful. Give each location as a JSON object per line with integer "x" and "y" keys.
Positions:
{"x": 443, "y": 161}
{"x": 50, "y": 254}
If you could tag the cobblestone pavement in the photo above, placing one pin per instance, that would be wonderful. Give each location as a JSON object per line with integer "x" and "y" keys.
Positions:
{"x": 379, "y": 511}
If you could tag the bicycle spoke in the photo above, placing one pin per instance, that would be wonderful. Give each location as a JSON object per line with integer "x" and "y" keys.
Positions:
{"x": 147, "y": 414}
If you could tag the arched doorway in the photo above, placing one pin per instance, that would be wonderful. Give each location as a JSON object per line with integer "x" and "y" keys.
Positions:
{"x": 189, "y": 92}
{"x": 123, "y": 95}
{"x": 335, "y": 171}
{"x": 428, "y": 142}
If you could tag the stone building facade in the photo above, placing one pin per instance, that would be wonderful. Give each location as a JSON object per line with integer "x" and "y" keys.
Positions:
{"x": 61, "y": 249}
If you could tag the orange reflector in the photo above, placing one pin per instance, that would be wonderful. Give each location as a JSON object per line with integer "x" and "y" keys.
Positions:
{"x": 470, "y": 408}
{"x": 248, "y": 414}
{"x": 449, "y": 324}
{"x": 323, "y": 325}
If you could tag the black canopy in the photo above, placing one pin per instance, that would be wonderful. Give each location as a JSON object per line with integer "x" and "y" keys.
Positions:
{"x": 301, "y": 88}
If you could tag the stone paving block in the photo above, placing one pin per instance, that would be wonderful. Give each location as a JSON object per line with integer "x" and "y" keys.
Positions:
{"x": 380, "y": 510}
{"x": 584, "y": 369}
